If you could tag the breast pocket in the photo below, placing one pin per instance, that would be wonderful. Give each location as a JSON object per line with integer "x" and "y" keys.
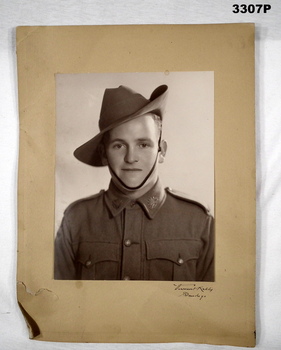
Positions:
{"x": 98, "y": 261}
{"x": 172, "y": 260}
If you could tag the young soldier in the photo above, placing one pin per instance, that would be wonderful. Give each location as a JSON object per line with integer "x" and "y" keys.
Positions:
{"x": 136, "y": 230}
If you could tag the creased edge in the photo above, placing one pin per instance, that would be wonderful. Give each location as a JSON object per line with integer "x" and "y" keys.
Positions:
{"x": 32, "y": 30}
{"x": 39, "y": 291}
{"x": 32, "y": 326}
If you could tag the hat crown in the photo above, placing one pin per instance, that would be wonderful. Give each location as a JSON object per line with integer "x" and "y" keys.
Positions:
{"x": 119, "y": 103}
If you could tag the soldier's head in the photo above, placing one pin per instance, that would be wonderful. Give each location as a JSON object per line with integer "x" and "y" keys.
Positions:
{"x": 129, "y": 142}
{"x": 133, "y": 151}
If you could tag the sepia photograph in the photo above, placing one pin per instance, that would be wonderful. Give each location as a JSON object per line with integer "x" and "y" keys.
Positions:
{"x": 135, "y": 176}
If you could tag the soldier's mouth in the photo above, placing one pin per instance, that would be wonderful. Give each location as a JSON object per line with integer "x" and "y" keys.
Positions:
{"x": 129, "y": 169}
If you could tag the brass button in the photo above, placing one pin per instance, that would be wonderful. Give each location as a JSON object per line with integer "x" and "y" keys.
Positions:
{"x": 128, "y": 243}
{"x": 180, "y": 261}
{"x": 126, "y": 278}
{"x": 88, "y": 263}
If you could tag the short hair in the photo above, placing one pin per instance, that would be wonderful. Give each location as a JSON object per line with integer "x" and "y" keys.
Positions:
{"x": 158, "y": 121}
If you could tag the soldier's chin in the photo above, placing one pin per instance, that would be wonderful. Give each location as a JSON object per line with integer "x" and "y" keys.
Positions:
{"x": 129, "y": 184}
{"x": 134, "y": 184}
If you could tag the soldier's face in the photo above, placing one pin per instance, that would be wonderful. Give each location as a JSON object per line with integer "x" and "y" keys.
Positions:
{"x": 131, "y": 150}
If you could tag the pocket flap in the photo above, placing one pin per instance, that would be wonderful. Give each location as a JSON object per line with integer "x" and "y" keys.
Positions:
{"x": 178, "y": 251}
{"x": 90, "y": 253}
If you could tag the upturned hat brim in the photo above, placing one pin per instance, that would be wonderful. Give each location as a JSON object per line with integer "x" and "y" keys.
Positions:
{"x": 89, "y": 153}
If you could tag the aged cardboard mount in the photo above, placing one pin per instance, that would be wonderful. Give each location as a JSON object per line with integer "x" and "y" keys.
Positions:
{"x": 221, "y": 312}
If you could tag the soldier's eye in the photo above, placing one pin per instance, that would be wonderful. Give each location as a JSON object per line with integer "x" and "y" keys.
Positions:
{"x": 118, "y": 146}
{"x": 144, "y": 145}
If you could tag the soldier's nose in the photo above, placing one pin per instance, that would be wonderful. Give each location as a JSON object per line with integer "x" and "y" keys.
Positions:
{"x": 131, "y": 156}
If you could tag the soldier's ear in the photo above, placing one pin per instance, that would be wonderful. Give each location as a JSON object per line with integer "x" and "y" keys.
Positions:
{"x": 163, "y": 149}
{"x": 103, "y": 154}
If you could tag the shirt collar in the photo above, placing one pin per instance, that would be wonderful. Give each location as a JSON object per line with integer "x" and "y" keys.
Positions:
{"x": 150, "y": 202}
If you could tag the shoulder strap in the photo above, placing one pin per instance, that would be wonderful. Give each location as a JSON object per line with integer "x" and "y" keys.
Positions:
{"x": 85, "y": 199}
{"x": 183, "y": 196}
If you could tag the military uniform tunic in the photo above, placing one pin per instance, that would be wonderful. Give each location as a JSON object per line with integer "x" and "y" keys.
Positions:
{"x": 160, "y": 236}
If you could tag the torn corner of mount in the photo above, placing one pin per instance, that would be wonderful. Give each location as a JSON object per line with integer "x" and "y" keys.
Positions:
{"x": 33, "y": 327}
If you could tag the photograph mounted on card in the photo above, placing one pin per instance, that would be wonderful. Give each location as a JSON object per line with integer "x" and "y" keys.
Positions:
{"x": 167, "y": 144}
{"x": 131, "y": 185}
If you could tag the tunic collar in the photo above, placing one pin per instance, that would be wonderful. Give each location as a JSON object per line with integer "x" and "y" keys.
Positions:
{"x": 150, "y": 202}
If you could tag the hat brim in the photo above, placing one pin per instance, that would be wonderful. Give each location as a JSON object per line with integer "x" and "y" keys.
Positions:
{"x": 89, "y": 153}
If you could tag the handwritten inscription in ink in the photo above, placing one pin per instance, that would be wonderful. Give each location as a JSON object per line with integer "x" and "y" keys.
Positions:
{"x": 192, "y": 290}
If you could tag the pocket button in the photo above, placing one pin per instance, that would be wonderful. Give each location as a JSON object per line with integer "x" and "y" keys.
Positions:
{"x": 128, "y": 243}
{"x": 88, "y": 263}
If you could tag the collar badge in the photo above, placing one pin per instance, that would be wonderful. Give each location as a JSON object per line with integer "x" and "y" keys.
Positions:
{"x": 152, "y": 202}
{"x": 116, "y": 203}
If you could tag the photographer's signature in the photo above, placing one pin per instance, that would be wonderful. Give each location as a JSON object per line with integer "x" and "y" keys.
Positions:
{"x": 192, "y": 290}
